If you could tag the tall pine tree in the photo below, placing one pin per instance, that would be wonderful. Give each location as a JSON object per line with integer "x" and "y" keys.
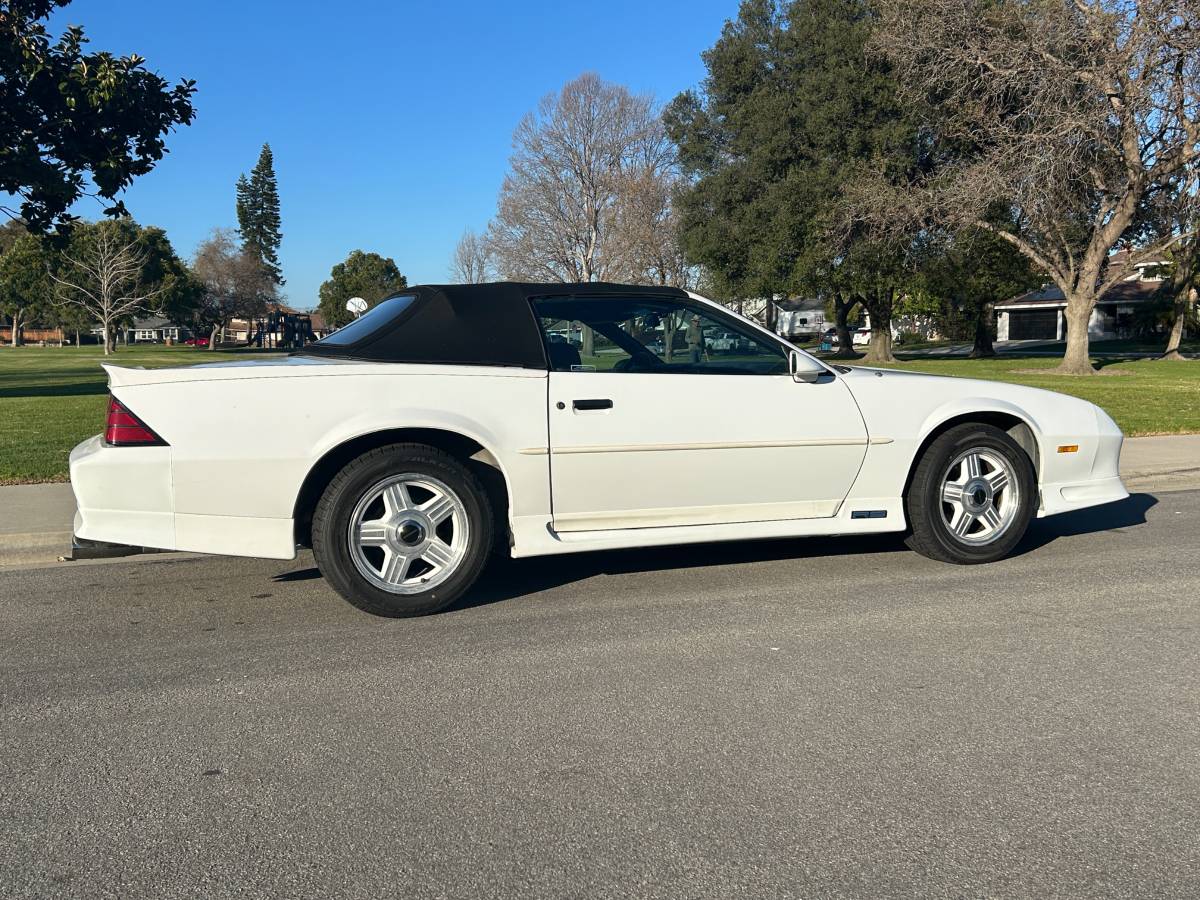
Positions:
{"x": 258, "y": 212}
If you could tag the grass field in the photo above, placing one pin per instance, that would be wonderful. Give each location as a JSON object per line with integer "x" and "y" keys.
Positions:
{"x": 52, "y": 398}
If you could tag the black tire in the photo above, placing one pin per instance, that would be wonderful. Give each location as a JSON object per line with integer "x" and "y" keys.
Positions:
{"x": 354, "y": 483}
{"x": 931, "y": 534}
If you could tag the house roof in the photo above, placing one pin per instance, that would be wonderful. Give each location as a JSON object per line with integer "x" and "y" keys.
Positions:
{"x": 153, "y": 322}
{"x": 1121, "y": 257}
{"x": 802, "y": 304}
{"x": 1122, "y": 292}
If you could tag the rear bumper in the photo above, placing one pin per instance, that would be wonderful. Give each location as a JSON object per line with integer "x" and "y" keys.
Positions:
{"x": 123, "y": 494}
{"x": 125, "y": 499}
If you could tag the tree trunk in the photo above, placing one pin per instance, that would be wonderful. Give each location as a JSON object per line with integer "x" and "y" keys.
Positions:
{"x": 983, "y": 334}
{"x": 770, "y": 315}
{"x": 1183, "y": 301}
{"x": 587, "y": 342}
{"x": 880, "y": 310}
{"x": 77, "y": 344}
{"x": 880, "y": 348}
{"x": 212, "y": 337}
{"x": 1077, "y": 314}
{"x": 15, "y": 337}
{"x": 841, "y": 312}
{"x": 109, "y": 342}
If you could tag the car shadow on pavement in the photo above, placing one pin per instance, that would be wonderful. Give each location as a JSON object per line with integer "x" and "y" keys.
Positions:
{"x": 1110, "y": 517}
{"x": 507, "y": 579}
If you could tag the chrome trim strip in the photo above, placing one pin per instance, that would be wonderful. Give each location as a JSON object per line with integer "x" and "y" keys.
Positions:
{"x": 719, "y": 445}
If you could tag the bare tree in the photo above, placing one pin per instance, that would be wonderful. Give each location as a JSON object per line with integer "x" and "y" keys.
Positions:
{"x": 472, "y": 261}
{"x": 571, "y": 158}
{"x": 235, "y": 281}
{"x": 589, "y": 172}
{"x": 102, "y": 274}
{"x": 1069, "y": 112}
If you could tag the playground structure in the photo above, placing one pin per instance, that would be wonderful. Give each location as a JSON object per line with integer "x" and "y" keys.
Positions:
{"x": 282, "y": 331}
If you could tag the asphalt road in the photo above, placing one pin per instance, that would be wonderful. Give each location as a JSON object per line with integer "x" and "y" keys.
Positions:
{"x": 820, "y": 718}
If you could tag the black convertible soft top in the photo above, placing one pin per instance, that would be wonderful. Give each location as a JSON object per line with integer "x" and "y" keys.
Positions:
{"x": 463, "y": 324}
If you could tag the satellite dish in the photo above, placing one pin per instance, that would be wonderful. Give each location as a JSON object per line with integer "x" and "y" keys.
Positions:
{"x": 356, "y": 305}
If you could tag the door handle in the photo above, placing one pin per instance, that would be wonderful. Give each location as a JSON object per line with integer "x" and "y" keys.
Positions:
{"x": 591, "y": 404}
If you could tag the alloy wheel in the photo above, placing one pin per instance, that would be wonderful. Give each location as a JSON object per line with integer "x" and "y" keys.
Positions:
{"x": 408, "y": 533}
{"x": 980, "y": 496}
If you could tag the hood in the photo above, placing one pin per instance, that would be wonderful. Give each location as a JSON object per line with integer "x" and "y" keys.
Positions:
{"x": 885, "y": 394}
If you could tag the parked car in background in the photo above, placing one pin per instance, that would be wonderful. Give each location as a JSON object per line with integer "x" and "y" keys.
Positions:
{"x": 726, "y": 342}
{"x": 446, "y": 424}
{"x": 197, "y": 342}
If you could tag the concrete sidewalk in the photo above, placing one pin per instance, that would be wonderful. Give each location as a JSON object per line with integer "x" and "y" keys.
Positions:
{"x": 36, "y": 519}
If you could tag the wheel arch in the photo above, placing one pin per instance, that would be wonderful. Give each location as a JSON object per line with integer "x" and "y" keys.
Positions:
{"x": 468, "y": 449}
{"x": 1011, "y": 421}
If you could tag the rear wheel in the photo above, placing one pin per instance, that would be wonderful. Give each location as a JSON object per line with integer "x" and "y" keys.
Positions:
{"x": 972, "y": 495}
{"x": 403, "y": 530}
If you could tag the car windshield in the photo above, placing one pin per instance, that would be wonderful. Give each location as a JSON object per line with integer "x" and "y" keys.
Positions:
{"x": 378, "y": 316}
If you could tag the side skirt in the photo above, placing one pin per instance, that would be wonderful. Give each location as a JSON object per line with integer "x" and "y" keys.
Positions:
{"x": 535, "y": 535}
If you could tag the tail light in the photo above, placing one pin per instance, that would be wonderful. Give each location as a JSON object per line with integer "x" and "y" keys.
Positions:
{"x": 124, "y": 429}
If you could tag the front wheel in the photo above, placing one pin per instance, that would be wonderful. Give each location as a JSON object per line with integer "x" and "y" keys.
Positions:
{"x": 972, "y": 495}
{"x": 403, "y": 530}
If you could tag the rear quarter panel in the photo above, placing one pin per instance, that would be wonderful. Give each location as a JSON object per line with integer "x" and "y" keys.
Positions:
{"x": 242, "y": 446}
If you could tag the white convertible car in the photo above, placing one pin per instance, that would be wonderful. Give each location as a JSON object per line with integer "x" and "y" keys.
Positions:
{"x": 452, "y": 420}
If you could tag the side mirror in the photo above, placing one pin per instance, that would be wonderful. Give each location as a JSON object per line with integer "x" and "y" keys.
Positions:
{"x": 801, "y": 368}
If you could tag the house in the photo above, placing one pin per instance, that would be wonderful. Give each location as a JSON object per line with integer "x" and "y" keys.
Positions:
{"x": 151, "y": 330}
{"x": 1039, "y": 314}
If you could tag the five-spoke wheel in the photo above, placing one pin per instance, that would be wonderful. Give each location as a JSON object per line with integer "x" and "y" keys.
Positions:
{"x": 408, "y": 533}
{"x": 971, "y": 496}
{"x": 980, "y": 496}
{"x": 403, "y": 530}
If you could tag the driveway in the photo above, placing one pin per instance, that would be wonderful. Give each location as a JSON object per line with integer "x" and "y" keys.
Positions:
{"x": 798, "y": 718}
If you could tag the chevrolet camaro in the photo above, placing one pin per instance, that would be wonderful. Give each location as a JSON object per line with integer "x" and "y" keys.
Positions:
{"x": 451, "y": 422}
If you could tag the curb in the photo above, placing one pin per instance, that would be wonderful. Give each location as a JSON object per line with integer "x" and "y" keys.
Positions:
{"x": 35, "y": 547}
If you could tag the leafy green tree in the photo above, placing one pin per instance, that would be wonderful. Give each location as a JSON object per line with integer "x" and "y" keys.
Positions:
{"x": 367, "y": 275}
{"x": 258, "y": 212}
{"x": 792, "y": 108}
{"x": 75, "y": 123}
{"x": 969, "y": 274}
{"x": 25, "y": 286}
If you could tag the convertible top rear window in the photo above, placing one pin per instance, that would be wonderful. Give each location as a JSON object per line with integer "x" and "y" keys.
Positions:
{"x": 372, "y": 320}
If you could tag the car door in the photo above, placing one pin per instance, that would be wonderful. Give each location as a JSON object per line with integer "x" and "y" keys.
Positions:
{"x": 697, "y": 437}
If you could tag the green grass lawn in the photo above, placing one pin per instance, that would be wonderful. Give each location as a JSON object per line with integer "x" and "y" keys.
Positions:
{"x": 52, "y": 398}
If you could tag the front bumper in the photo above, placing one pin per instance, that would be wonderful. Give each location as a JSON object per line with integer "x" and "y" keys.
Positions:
{"x": 1078, "y": 481}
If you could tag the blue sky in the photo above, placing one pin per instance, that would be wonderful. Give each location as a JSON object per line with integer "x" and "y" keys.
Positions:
{"x": 391, "y": 123}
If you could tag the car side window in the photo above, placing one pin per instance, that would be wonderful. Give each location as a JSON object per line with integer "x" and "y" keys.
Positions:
{"x": 652, "y": 335}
